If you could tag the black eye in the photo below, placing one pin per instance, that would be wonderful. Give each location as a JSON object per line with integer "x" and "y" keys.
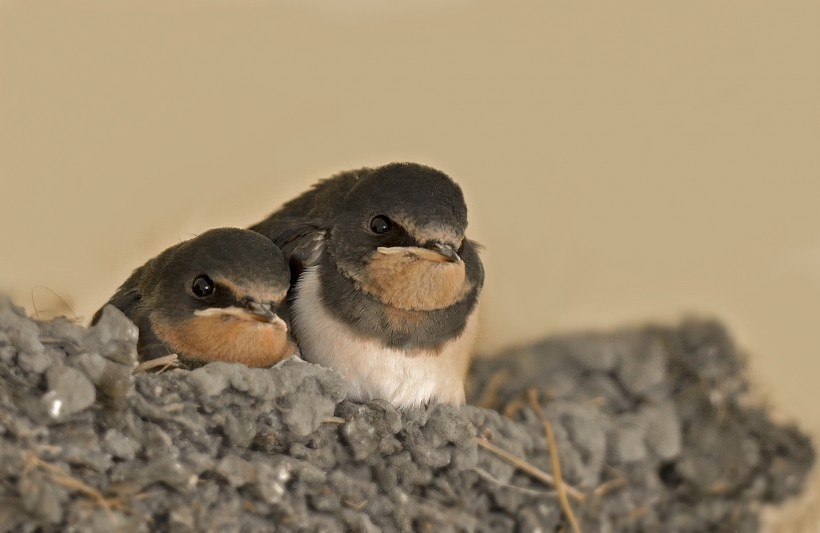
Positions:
{"x": 203, "y": 286}
{"x": 380, "y": 224}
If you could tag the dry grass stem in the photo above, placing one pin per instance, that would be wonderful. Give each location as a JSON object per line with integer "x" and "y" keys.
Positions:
{"x": 165, "y": 361}
{"x": 598, "y": 401}
{"x": 556, "y": 461}
{"x": 512, "y": 408}
{"x": 76, "y": 319}
{"x": 636, "y": 514}
{"x": 486, "y": 475}
{"x": 31, "y": 461}
{"x": 489, "y": 396}
{"x": 608, "y": 486}
{"x": 528, "y": 468}
{"x": 356, "y": 505}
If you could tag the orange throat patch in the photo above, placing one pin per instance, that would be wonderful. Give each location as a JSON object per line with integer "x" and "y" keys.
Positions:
{"x": 226, "y": 338}
{"x": 415, "y": 283}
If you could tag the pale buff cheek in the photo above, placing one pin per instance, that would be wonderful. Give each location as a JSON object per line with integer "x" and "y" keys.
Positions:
{"x": 408, "y": 282}
{"x": 230, "y": 340}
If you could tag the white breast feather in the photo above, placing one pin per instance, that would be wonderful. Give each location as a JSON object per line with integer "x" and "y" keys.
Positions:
{"x": 373, "y": 369}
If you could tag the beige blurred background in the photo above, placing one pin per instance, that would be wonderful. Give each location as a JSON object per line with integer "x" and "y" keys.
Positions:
{"x": 623, "y": 162}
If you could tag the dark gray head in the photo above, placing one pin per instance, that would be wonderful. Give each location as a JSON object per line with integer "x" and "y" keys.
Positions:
{"x": 399, "y": 234}
{"x": 225, "y": 271}
{"x": 399, "y": 205}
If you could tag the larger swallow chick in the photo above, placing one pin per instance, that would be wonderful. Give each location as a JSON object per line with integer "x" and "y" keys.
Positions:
{"x": 387, "y": 285}
{"x": 217, "y": 297}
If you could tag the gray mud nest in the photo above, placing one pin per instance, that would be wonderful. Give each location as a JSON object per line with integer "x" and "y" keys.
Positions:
{"x": 653, "y": 427}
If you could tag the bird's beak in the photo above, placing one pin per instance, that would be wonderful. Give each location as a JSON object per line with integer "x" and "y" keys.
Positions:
{"x": 250, "y": 310}
{"x": 437, "y": 252}
{"x": 260, "y": 311}
{"x": 447, "y": 252}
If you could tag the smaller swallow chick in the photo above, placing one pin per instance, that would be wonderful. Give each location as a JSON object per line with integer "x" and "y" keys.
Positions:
{"x": 386, "y": 284}
{"x": 217, "y": 297}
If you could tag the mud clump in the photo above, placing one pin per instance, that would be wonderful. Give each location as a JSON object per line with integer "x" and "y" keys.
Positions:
{"x": 653, "y": 426}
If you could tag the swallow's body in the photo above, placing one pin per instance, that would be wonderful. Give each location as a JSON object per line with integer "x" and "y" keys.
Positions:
{"x": 216, "y": 297}
{"x": 403, "y": 376}
{"x": 387, "y": 283}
